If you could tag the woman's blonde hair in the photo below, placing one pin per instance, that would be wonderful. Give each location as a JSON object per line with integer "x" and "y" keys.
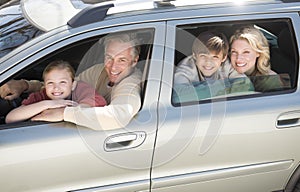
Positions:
{"x": 259, "y": 43}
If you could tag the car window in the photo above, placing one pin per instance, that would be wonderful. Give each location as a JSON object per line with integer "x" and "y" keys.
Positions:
{"x": 81, "y": 55}
{"x": 192, "y": 85}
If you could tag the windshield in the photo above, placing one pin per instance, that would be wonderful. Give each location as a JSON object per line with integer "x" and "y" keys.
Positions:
{"x": 14, "y": 28}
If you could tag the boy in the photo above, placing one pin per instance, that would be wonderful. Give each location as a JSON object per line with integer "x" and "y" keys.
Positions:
{"x": 60, "y": 90}
{"x": 208, "y": 60}
{"x": 207, "y": 72}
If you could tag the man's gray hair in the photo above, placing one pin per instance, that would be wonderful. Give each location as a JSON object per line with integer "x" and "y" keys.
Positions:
{"x": 123, "y": 38}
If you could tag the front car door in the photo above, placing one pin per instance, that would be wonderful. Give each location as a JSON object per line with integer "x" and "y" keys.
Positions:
{"x": 43, "y": 156}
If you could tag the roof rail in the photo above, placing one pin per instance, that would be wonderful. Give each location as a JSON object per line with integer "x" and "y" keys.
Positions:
{"x": 99, "y": 11}
{"x": 163, "y": 3}
{"x": 290, "y": 1}
{"x": 90, "y": 14}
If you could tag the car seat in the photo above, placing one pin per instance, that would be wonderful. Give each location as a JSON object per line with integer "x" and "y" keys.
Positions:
{"x": 283, "y": 59}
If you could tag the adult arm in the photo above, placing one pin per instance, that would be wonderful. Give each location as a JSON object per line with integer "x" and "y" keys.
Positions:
{"x": 14, "y": 88}
{"x": 125, "y": 103}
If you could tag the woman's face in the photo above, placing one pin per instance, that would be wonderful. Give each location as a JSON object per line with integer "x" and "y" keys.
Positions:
{"x": 243, "y": 56}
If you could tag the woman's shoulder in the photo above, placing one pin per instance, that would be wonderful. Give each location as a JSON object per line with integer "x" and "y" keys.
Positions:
{"x": 272, "y": 72}
{"x": 227, "y": 71}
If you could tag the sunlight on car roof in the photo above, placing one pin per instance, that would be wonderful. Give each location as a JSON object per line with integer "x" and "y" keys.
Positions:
{"x": 193, "y": 2}
{"x": 131, "y": 5}
{"x": 49, "y": 14}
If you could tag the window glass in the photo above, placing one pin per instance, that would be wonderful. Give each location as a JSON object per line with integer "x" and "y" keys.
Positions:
{"x": 234, "y": 59}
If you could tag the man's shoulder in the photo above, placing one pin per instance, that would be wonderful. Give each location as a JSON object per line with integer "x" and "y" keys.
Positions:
{"x": 137, "y": 73}
{"x": 97, "y": 67}
{"x": 94, "y": 68}
{"x": 133, "y": 79}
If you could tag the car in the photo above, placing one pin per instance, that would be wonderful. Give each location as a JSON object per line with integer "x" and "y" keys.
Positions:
{"x": 243, "y": 141}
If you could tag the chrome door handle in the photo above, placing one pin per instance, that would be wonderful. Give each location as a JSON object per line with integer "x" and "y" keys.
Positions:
{"x": 124, "y": 141}
{"x": 288, "y": 119}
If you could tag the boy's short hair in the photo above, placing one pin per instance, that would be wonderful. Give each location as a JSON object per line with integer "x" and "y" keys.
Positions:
{"x": 59, "y": 64}
{"x": 210, "y": 41}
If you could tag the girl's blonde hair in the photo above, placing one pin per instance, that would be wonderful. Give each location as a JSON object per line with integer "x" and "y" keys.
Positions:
{"x": 59, "y": 64}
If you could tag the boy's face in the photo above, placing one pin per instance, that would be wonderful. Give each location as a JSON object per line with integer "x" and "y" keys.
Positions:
{"x": 58, "y": 84}
{"x": 208, "y": 64}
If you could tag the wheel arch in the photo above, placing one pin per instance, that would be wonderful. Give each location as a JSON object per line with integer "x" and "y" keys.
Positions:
{"x": 294, "y": 179}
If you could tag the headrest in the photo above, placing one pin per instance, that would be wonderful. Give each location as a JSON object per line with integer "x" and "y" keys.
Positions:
{"x": 285, "y": 43}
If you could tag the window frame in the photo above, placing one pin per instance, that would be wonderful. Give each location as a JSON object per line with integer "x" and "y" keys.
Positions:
{"x": 61, "y": 45}
{"x": 172, "y": 26}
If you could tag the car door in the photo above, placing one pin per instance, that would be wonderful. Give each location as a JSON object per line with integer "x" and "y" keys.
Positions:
{"x": 61, "y": 156}
{"x": 227, "y": 143}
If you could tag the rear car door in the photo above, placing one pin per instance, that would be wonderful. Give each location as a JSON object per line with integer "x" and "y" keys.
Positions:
{"x": 41, "y": 156}
{"x": 247, "y": 142}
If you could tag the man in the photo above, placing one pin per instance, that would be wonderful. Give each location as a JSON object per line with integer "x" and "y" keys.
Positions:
{"x": 117, "y": 80}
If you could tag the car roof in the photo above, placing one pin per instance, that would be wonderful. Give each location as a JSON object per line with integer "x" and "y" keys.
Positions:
{"x": 49, "y": 14}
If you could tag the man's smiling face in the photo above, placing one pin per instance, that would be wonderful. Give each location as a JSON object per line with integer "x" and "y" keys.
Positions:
{"x": 119, "y": 60}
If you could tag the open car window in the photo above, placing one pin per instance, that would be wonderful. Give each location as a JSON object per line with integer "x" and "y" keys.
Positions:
{"x": 283, "y": 61}
{"x": 81, "y": 55}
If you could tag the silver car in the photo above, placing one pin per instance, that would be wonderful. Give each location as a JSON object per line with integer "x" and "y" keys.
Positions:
{"x": 246, "y": 141}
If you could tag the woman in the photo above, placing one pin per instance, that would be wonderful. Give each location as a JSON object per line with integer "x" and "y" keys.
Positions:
{"x": 250, "y": 55}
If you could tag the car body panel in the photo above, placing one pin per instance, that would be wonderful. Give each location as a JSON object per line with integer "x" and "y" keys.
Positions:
{"x": 230, "y": 130}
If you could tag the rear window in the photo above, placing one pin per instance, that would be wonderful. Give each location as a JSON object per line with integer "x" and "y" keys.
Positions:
{"x": 193, "y": 84}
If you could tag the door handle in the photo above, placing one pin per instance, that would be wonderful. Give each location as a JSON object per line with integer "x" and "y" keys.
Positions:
{"x": 288, "y": 119}
{"x": 124, "y": 141}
